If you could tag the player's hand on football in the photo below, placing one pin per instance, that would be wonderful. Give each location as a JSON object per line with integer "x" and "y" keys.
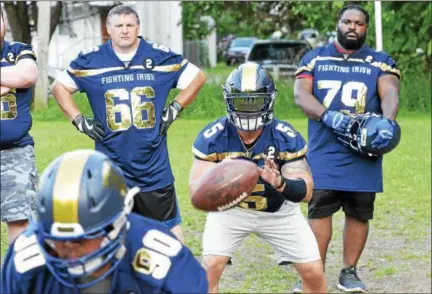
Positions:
{"x": 90, "y": 127}
{"x": 335, "y": 120}
{"x": 270, "y": 173}
{"x": 384, "y": 130}
{"x": 4, "y": 90}
{"x": 169, "y": 115}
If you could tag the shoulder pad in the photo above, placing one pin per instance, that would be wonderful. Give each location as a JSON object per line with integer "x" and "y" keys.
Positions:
{"x": 85, "y": 59}
{"x": 18, "y": 50}
{"x": 207, "y": 139}
{"x": 164, "y": 58}
{"x": 292, "y": 143}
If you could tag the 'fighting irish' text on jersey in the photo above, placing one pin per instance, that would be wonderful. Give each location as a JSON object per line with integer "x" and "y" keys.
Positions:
{"x": 149, "y": 265}
{"x": 346, "y": 83}
{"x": 278, "y": 140}
{"x": 129, "y": 101}
{"x": 16, "y": 119}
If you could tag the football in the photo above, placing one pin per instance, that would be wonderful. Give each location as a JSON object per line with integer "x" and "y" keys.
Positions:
{"x": 225, "y": 185}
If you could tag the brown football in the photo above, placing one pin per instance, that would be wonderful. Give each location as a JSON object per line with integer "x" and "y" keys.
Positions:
{"x": 225, "y": 185}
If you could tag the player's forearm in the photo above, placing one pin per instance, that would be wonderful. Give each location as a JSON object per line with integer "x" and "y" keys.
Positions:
{"x": 390, "y": 105}
{"x": 306, "y": 101}
{"x": 18, "y": 77}
{"x": 4, "y": 90}
{"x": 65, "y": 101}
{"x": 388, "y": 90}
{"x": 188, "y": 95}
{"x": 309, "y": 104}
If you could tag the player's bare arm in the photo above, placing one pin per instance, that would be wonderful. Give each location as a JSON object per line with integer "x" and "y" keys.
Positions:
{"x": 199, "y": 167}
{"x": 296, "y": 181}
{"x": 303, "y": 89}
{"x": 63, "y": 95}
{"x": 388, "y": 89}
{"x": 183, "y": 99}
{"x": 4, "y": 90}
{"x": 188, "y": 95}
{"x": 22, "y": 75}
{"x": 299, "y": 169}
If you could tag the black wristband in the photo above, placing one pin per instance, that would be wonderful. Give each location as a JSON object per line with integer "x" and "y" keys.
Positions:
{"x": 295, "y": 190}
{"x": 282, "y": 183}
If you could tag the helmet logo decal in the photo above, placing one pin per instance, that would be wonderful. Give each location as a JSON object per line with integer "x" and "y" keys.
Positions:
{"x": 248, "y": 81}
{"x": 67, "y": 188}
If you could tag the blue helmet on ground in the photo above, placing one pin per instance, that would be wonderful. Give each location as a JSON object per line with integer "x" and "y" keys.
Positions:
{"x": 249, "y": 94}
{"x": 360, "y": 133}
{"x": 82, "y": 195}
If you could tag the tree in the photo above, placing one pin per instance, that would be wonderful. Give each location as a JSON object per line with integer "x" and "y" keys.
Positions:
{"x": 23, "y": 18}
{"x": 406, "y": 25}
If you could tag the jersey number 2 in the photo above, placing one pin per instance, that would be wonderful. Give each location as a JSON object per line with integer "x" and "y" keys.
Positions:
{"x": 120, "y": 116}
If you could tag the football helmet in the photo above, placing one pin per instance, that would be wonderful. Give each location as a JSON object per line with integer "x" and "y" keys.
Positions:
{"x": 249, "y": 95}
{"x": 82, "y": 195}
{"x": 360, "y": 133}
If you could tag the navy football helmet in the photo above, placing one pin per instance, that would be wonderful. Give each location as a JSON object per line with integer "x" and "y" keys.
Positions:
{"x": 360, "y": 133}
{"x": 82, "y": 195}
{"x": 249, "y": 95}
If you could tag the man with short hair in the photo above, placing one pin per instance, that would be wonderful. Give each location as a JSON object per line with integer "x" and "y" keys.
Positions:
{"x": 127, "y": 81}
{"x": 334, "y": 85}
{"x": 18, "y": 74}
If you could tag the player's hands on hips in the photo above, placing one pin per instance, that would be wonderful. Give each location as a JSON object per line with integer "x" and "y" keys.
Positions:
{"x": 384, "y": 130}
{"x": 168, "y": 116}
{"x": 270, "y": 173}
{"x": 90, "y": 127}
{"x": 335, "y": 120}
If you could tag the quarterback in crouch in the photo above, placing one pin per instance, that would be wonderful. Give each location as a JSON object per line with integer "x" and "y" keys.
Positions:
{"x": 272, "y": 211}
{"x": 85, "y": 238}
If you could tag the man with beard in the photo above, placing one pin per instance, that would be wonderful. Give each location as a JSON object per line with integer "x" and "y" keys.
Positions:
{"x": 333, "y": 84}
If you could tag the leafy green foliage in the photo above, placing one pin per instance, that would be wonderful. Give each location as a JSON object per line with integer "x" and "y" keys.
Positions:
{"x": 406, "y": 25}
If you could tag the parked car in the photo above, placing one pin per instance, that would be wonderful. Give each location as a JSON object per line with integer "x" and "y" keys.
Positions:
{"x": 279, "y": 57}
{"x": 238, "y": 50}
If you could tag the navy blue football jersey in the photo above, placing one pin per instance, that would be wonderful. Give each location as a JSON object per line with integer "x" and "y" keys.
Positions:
{"x": 346, "y": 83}
{"x": 16, "y": 119}
{"x": 129, "y": 101}
{"x": 278, "y": 140}
{"x": 155, "y": 262}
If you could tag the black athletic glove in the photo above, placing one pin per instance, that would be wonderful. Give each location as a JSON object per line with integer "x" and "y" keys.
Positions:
{"x": 90, "y": 127}
{"x": 168, "y": 116}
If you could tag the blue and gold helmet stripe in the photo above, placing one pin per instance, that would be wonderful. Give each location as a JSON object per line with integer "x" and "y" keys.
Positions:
{"x": 249, "y": 77}
{"x": 67, "y": 185}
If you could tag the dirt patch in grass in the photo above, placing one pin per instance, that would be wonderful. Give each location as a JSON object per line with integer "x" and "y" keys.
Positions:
{"x": 391, "y": 263}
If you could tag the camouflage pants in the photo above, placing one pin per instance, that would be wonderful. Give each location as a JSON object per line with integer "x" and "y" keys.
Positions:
{"x": 18, "y": 183}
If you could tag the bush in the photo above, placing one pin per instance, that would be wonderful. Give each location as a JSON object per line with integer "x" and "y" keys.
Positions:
{"x": 415, "y": 96}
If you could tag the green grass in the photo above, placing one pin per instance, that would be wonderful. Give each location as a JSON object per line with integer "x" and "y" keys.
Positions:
{"x": 404, "y": 207}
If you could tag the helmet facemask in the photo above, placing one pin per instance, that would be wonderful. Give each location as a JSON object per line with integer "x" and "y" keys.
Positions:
{"x": 250, "y": 111}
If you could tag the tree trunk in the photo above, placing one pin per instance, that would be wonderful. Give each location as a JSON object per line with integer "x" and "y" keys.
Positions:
{"x": 17, "y": 15}
{"x": 56, "y": 13}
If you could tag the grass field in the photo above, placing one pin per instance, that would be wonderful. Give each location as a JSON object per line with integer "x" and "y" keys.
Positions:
{"x": 397, "y": 257}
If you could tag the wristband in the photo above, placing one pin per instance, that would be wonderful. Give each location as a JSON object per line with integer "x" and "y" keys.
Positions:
{"x": 295, "y": 190}
{"x": 282, "y": 183}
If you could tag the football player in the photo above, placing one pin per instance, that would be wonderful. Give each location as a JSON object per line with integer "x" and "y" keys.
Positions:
{"x": 86, "y": 240}
{"x": 335, "y": 84}
{"x": 18, "y": 73}
{"x": 272, "y": 211}
{"x": 127, "y": 81}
